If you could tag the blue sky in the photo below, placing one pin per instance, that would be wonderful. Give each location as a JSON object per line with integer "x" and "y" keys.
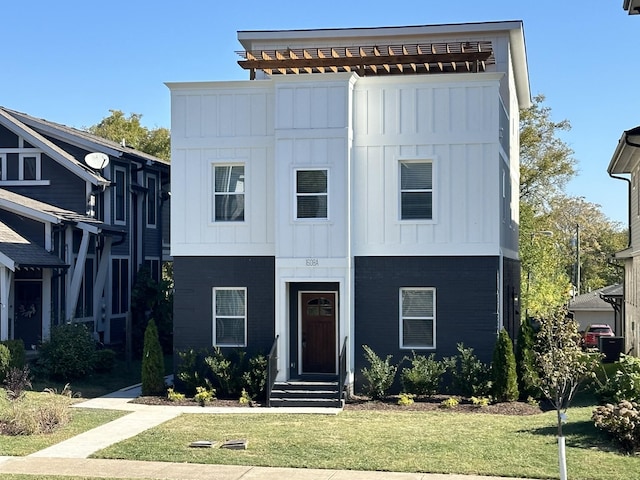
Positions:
{"x": 71, "y": 61}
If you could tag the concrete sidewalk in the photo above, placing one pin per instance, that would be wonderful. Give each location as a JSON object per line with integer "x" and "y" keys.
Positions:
{"x": 70, "y": 456}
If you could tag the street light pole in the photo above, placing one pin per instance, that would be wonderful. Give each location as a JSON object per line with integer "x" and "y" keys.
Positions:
{"x": 577, "y": 259}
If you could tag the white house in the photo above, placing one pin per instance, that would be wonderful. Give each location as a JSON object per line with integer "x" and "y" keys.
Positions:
{"x": 361, "y": 188}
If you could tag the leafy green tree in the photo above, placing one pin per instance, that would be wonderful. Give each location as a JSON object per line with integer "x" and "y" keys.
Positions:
{"x": 546, "y": 161}
{"x": 119, "y": 128}
{"x": 503, "y": 370}
{"x": 152, "y": 362}
{"x": 563, "y": 367}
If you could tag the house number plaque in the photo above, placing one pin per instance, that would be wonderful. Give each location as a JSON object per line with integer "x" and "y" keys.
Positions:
{"x": 312, "y": 262}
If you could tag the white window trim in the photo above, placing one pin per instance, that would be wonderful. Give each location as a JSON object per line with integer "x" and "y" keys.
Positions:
{"x": 214, "y": 317}
{"x": 295, "y": 194}
{"x": 434, "y": 176}
{"x": 116, "y": 221}
{"x": 400, "y": 318}
{"x": 21, "y": 158}
{"x": 212, "y": 189}
{"x": 149, "y": 200}
{"x": 111, "y": 292}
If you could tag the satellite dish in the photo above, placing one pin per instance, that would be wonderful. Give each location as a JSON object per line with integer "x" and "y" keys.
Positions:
{"x": 96, "y": 160}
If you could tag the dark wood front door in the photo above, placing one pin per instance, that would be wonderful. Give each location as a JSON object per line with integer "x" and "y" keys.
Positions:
{"x": 318, "y": 330}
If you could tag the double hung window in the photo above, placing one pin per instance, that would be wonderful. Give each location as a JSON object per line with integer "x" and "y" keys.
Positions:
{"x": 312, "y": 194}
{"x": 228, "y": 193}
{"x": 417, "y": 318}
{"x": 230, "y": 317}
{"x": 416, "y": 190}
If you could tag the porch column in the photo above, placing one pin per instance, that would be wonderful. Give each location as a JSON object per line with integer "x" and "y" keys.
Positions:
{"x": 98, "y": 289}
{"x": 46, "y": 303}
{"x": 5, "y": 288}
{"x": 78, "y": 274}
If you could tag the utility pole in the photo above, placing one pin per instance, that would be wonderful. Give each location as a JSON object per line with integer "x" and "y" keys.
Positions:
{"x": 577, "y": 259}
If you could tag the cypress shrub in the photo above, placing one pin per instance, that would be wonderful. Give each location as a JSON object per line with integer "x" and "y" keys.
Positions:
{"x": 5, "y": 361}
{"x": 526, "y": 362}
{"x": 152, "y": 362}
{"x": 503, "y": 370}
{"x": 16, "y": 347}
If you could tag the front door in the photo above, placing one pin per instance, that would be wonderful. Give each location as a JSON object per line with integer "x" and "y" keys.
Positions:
{"x": 27, "y": 315}
{"x": 318, "y": 332}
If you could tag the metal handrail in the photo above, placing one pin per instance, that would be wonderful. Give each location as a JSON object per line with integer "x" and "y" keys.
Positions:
{"x": 272, "y": 369}
{"x": 342, "y": 368}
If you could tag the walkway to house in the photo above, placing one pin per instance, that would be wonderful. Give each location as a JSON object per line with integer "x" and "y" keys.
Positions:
{"x": 70, "y": 456}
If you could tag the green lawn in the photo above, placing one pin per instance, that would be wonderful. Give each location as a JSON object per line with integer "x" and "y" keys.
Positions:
{"x": 438, "y": 442}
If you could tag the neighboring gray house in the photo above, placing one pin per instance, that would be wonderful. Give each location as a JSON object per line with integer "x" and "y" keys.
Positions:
{"x": 73, "y": 234}
{"x": 601, "y": 306}
{"x": 361, "y": 188}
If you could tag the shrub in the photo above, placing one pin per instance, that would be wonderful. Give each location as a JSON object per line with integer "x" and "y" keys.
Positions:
{"x": 69, "y": 353}
{"x": 152, "y": 362}
{"x": 104, "y": 360}
{"x": 405, "y": 399}
{"x": 470, "y": 377}
{"x": 245, "y": 398}
{"x": 255, "y": 377}
{"x": 624, "y": 384}
{"x": 204, "y": 395}
{"x": 226, "y": 371}
{"x": 380, "y": 376}
{"x": 191, "y": 370}
{"x": 527, "y": 372}
{"x": 16, "y": 347}
{"x": 622, "y": 421}
{"x": 423, "y": 378}
{"x": 503, "y": 370}
{"x": 5, "y": 360}
{"x": 480, "y": 401}
{"x": 17, "y": 381}
{"x": 450, "y": 402}
{"x": 174, "y": 396}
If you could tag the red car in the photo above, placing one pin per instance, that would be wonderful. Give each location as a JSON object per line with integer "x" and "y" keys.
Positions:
{"x": 593, "y": 333}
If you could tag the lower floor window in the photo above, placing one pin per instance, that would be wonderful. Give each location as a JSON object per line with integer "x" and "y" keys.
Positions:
{"x": 230, "y": 317}
{"x": 417, "y": 318}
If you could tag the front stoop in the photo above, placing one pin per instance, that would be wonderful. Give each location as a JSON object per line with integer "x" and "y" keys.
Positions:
{"x": 306, "y": 394}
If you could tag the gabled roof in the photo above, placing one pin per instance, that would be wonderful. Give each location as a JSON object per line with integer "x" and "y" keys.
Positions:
{"x": 593, "y": 300}
{"x": 44, "y": 212}
{"x": 14, "y": 124}
{"x": 81, "y": 138}
{"x": 18, "y": 252}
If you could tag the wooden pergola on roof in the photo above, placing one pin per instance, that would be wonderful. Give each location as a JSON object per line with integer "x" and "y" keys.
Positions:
{"x": 366, "y": 60}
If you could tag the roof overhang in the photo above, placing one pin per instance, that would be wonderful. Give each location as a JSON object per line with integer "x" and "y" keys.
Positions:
{"x": 631, "y": 6}
{"x": 627, "y": 152}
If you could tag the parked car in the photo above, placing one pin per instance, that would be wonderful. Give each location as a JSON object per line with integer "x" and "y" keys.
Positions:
{"x": 590, "y": 338}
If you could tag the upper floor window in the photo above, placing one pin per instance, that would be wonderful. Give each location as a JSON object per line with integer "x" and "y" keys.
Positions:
{"x": 416, "y": 190}
{"x": 120, "y": 196}
{"x": 21, "y": 168}
{"x": 311, "y": 194}
{"x": 417, "y": 318}
{"x": 228, "y": 193}
{"x": 152, "y": 201}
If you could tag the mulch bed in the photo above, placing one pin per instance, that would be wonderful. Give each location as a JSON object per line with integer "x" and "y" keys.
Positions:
{"x": 364, "y": 403}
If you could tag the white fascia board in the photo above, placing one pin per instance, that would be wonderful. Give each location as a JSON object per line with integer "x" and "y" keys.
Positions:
{"x": 520, "y": 65}
{"x": 7, "y": 262}
{"x": 197, "y": 87}
{"x": 55, "y": 152}
{"x": 624, "y": 157}
{"x": 248, "y": 37}
{"x": 31, "y": 213}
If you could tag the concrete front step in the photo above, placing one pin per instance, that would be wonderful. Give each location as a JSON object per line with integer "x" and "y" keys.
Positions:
{"x": 305, "y": 394}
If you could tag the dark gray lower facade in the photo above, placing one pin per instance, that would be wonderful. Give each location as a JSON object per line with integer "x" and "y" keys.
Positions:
{"x": 475, "y": 296}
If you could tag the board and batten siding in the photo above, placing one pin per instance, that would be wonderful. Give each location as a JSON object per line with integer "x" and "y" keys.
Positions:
{"x": 221, "y": 123}
{"x": 312, "y": 132}
{"x": 452, "y": 120}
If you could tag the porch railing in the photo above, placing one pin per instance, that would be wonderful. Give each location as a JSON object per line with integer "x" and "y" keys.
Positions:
{"x": 272, "y": 369}
{"x": 342, "y": 368}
